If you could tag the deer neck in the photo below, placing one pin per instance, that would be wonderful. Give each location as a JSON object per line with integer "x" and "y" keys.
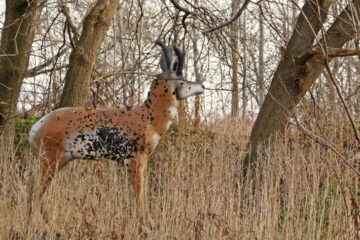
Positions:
{"x": 161, "y": 105}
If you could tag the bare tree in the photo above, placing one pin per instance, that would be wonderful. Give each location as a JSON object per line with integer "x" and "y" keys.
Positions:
{"x": 17, "y": 37}
{"x": 299, "y": 68}
{"x": 261, "y": 82}
{"x": 82, "y": 58}
{"x": 234, "y": 38}
{"x": 198, "y": 78}
{"x": 244, "y": 72}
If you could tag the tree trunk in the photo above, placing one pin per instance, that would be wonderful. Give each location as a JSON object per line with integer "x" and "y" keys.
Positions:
{"x": 198, "y": 79}
{"x": 183, "y": 105}
{"x": 261, "y": 84}
{"x": 17, "y": 36}
{"x": 297, "y": 71}
{"x": 234, "y": 31}
{"x": 83, "y": 56}
{"x": 244, "y": 73}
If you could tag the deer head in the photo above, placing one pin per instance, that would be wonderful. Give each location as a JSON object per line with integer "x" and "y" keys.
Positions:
{"x": 172, "y": 65}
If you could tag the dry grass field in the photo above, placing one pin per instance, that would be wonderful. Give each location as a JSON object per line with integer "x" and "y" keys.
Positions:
{"x": 302, "y": 190}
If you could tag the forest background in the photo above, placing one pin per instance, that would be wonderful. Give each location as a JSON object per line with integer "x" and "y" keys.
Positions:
{"x": 282, "y": 108}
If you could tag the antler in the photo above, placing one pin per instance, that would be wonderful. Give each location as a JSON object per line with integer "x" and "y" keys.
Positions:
{"x": 171, "y": 67}
{"x": 181, "y": 57}
{"x": 165, "y": 66}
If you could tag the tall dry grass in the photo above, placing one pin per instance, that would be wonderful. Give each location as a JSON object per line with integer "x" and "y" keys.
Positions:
{"x": 301, "y": 190}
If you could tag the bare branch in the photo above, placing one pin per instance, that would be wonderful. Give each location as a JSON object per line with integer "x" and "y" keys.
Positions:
{"x": 65, "y": 11}
{"x": 335, "y": 52}
{"x": 314, "y": 137}
{"x": 324, "y": 143}
{"x": 37, "y": 70}
{"x": 353, "y": 93}
{"x": 233, "y": 19}
{"x": 123, "y": 73}
{"x": 97, "y": 96}
{"x": 342, "y": 101}
{"x": 179, "y": 7}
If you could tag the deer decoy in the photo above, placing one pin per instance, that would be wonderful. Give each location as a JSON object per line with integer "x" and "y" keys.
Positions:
{"x": 126, "y": 135}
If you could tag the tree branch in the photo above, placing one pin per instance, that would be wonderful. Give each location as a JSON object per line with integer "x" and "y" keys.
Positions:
{"x": 233, "y": 19}
{"x": 353, "y": 93}
{"x": 353, "y": 125}
{"x": 335, "y": 52}
{"x": 179, "y": 7}
{"x": 65, "y": 11}
{"x": 36, "y": 73}
{"x": 325, "y": 144}
{"x": 35, "y": 70}
{"x": 314, "y": 137}
{"x": 123, "y": 73}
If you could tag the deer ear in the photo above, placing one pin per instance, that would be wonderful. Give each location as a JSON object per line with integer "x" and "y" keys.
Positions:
{"x": 171, "y": 64}
{"x": 180, "y": 59}
{"x": 175, "y": 66}
{"x": 163, "y": 64}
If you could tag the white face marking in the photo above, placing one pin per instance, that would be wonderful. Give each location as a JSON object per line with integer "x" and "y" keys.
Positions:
{"x": 35, "y": 128}
{"x": 173, "y": 112}
{"x": 189, "y": 89}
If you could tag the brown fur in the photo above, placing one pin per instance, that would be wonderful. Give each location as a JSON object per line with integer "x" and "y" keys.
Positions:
{"x": 140, "y": 124}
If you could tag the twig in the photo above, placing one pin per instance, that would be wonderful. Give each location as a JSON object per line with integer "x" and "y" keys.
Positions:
{"x": 233, "y": 19}
{"x": 219, "y": 89}
{"x": 140, "y": 17}
{"x": 342, "y": 100}
{"x": 36, "y": 73}
{"x": 35, "y": 70}
{"x": 48, "y": 29}
{"x": 324, "y": 143}
{"x": 54, "y": 65}
{"x": 124, "y": 73}
{"x": 71, "y": 25}
{"x": 353, "y": 93}
{"x": 7, "y": 88}
{"x": 314, "y": 137}
{"x": 98, "y": 97}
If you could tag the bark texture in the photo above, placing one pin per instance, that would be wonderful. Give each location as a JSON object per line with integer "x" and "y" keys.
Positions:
{"x": 297, "y": 71}
{"x": 17, "y": 36}
{"x": 198, "y": 78}
{"x": 83, "y": 56}
{"x": 260, "y": 85}
{"x": 234, "y": 33}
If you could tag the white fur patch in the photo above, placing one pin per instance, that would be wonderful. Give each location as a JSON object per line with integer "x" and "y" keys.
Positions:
{"x": 173, "y": 112}
{"x": 155, "y": 139}
{"x": 67, "y": 156}
{"x": 77, "y": 147}
{"x": 168, "y": 124}
{"x": 127, "y": 162}
{"x": 35, "y": 128}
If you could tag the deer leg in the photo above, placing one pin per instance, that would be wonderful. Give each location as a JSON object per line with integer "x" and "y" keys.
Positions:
{"x": 136, "y": 171}
{"x": 50, "y": 163}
